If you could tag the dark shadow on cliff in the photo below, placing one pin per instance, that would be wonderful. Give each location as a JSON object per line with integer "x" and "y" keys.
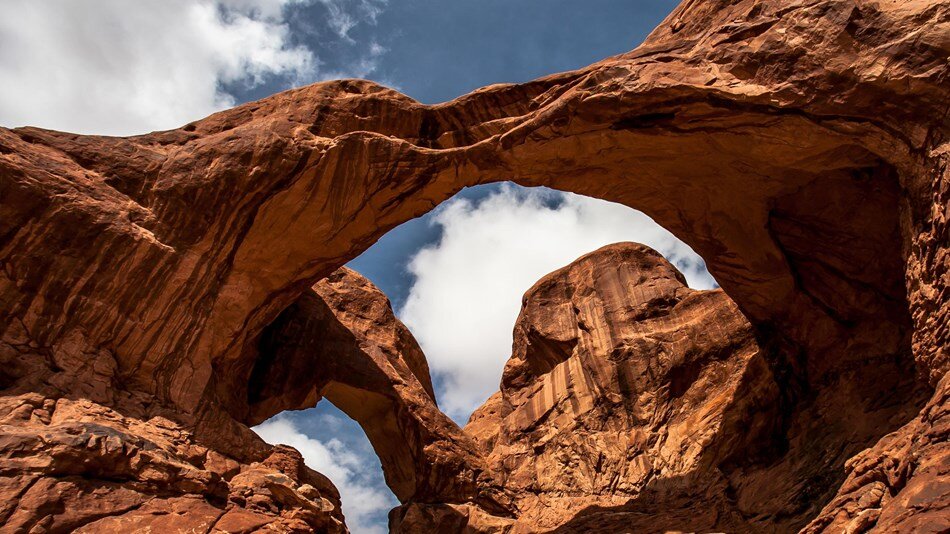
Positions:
{"x": 341, "y": 341}
{"x": 779, "y": 456}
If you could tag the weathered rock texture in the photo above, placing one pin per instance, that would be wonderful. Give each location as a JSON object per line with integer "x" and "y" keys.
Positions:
{"x": 801, "y": 147}
{"x": 71, "y": 464}
{"x": 341, "y": 341}
{"x": 629, "y": 399}
{"x": 626, "y": 384}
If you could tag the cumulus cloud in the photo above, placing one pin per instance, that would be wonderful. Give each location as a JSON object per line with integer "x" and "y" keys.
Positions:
{"x": 467, "y": 291}
{"x": 118, "y": 68}
{"x": 362, "y": 501}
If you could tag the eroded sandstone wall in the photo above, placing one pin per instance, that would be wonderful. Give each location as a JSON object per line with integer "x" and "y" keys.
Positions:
{"x": 632, "y": 403}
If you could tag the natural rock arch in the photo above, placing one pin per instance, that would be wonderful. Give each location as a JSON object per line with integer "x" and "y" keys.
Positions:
{"x": 800, "y": 148}
{"x": 341, "y": 341}
{"x": 676, "y": 128}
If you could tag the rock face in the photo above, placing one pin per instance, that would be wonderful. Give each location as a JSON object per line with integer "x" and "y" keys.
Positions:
{"x": 626, "y": 390}
{"x": 629, "y": 398}
{"x": 800, "y": 147}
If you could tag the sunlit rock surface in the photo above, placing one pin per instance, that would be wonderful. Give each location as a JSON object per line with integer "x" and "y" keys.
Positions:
{"x": 75, "y": 465}
{"x": 800, "y": 147}
{"x": 632, "y": 403}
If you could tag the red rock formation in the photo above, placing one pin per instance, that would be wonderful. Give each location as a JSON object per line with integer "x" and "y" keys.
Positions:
{"x": 629, "y": 398}
{"x": 625, "y": 383}
{"x": 800, "y": 147}
{"x": 902, "y": 483}
{"x": 342, "y": 342}
{"x": 71, "y": 464}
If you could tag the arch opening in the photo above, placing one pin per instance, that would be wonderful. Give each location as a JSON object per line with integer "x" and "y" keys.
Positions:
{"x": 566, "y": 227}
{"x": 799, "y": 389}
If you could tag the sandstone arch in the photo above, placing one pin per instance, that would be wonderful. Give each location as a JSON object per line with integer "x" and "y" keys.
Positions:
{"x": 341, "y": 341}
{"x": 801, "y": 148}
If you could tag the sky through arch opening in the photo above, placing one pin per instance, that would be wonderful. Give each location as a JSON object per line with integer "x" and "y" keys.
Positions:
{"x": 460, "y": 291}
{"x": 456, "y": 277}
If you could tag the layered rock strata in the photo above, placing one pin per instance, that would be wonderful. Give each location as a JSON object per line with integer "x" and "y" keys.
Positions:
{"x": 632, "y": 403}
{"x": 800, "y": 147}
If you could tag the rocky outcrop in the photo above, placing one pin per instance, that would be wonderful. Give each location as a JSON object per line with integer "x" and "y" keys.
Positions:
{"x": 902, "y": 483}
{"x": 69, "y": 462}
{"x": 800, "y": 147}
{"x": 629, "y": 398}
{"x": 75, "y": 465}
{"x": 342, "y": 342}
{"x": 624, "y": 384}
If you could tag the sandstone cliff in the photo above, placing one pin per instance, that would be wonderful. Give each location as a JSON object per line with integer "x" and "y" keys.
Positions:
{"x": 632, "y": 403}
{"x": 800, "y": 147}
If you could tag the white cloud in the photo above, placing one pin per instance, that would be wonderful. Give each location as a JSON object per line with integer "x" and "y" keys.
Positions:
{"x": 344, "y": 15}
{"x": 467, "y": 293}
{"x": 363, "y": 66}
{"x": 119, "y": 67}
{"x": 341, "y": 465}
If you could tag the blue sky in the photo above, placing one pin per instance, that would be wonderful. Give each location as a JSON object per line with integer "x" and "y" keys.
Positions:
{"x": 438, "y": 50}
{"x": 103, "y": 67}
